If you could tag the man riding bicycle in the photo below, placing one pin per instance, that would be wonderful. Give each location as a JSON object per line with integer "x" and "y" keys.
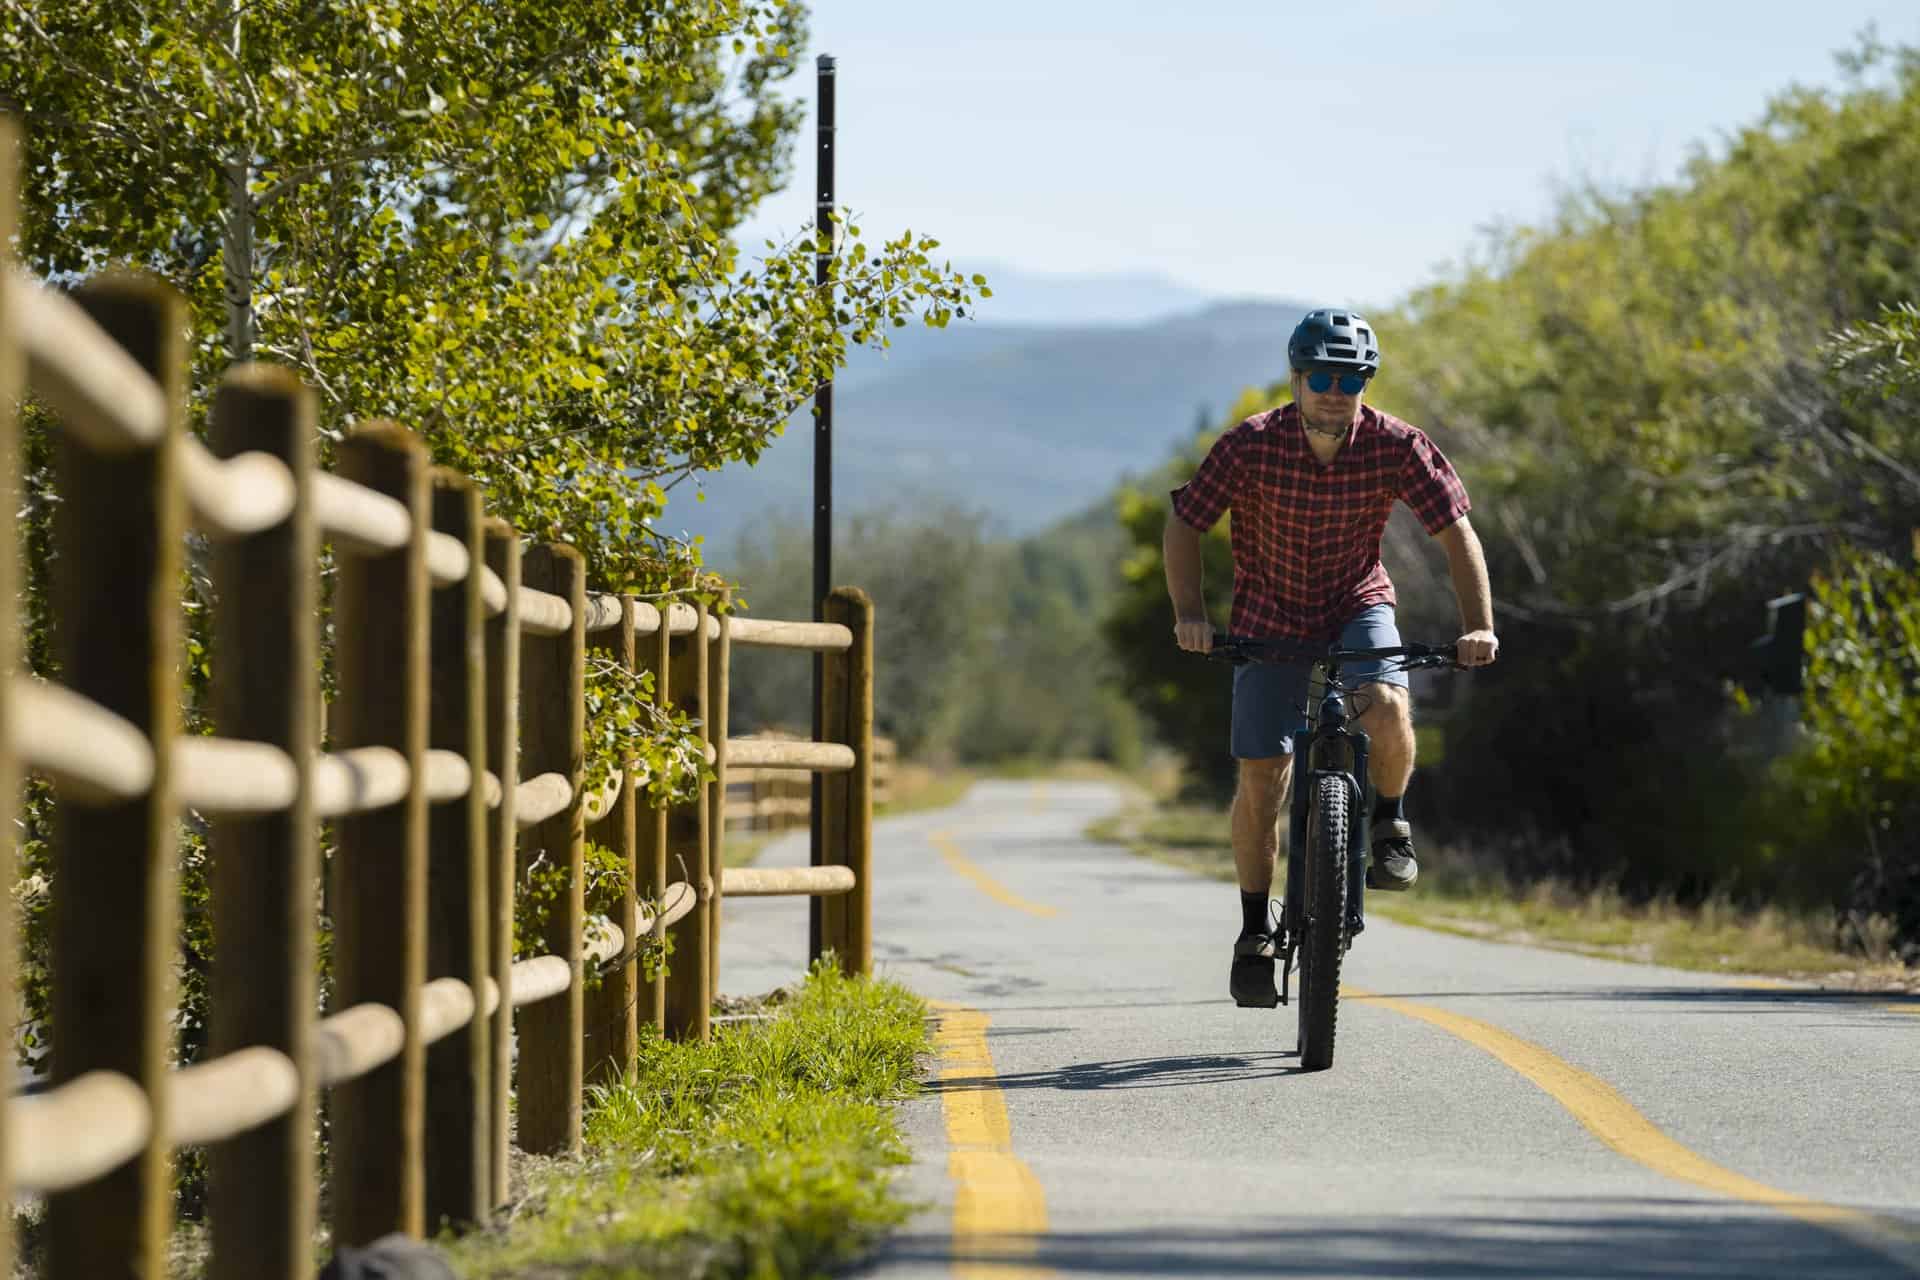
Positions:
{"x": 1311, "y": 485}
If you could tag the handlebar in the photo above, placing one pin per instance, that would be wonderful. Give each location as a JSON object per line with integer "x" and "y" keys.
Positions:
{"x": 1240, "y": 650}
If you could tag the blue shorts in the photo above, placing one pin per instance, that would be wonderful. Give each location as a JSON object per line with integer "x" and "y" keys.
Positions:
{"x": 1270, "y": 698}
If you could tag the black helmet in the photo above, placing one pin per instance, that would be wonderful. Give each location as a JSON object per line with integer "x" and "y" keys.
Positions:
{"x": 1330, "y": 336}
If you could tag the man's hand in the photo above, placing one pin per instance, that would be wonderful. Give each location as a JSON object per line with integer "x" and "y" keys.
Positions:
{"x": 1195, "y": 635}
{"x": 1476, "y": 649}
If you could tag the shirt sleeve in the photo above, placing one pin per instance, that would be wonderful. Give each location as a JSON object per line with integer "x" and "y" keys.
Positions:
{"x": 1431, "y": 487}
{"x": 1201, "y": 501}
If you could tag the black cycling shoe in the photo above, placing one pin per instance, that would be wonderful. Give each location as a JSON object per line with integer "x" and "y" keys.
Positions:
{"x": 1250, "y": 981}
{"x": 1393, "y": 866}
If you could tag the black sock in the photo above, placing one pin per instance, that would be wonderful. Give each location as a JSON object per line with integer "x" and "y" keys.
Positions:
{"x": 1253, "y": 913}
{"x": 1389, "y": 808}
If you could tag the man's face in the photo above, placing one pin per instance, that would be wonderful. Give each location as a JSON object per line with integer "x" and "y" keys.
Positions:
{"x": 1333, "y": 409}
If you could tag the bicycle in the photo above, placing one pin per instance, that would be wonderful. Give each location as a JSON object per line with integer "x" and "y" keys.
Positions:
{"x": 1322, "y": 904}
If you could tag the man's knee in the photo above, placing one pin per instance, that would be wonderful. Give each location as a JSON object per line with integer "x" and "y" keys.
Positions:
{"x": 1264, "y": 782}
{"x": 1386, "y": 704}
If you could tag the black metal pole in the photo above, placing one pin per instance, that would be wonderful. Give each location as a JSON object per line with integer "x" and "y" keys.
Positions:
{"x": 823, "y": 395}
{"x": 822, "y": 457}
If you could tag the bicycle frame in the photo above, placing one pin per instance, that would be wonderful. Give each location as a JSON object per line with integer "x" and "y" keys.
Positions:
{"x": 1318, "y": 753}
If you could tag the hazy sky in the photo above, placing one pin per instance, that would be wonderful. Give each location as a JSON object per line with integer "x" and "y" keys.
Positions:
{"x": 1330, "y": 150}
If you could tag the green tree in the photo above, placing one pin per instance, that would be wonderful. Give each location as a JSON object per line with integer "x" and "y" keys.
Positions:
{"x": 986, "y": 649}
{"x": 1655, "y": 446}
{"x": 1186, "y": 700}
{"x": 506, "y": 225}
{"x": 1856, "y": 773}
{"x": 928, "y": 575}
{"x": 1043, "y": 684}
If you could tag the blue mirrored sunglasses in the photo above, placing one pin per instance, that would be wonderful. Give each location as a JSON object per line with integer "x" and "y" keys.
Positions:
{"x": 1351, "y": 384}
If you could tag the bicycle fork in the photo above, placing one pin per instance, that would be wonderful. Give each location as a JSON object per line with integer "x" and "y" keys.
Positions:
{"x": 1357, "y": 842}
{"x": 1358, "y": 828}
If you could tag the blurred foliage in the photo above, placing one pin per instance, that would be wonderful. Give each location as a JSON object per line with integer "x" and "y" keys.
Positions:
{"x": 1187, "y": 700}
{"x": 986, "y": 648}
{"x": 1669, "y": 405}
{"x": 507, "y": 226}
{"x": 1644, "y": 401}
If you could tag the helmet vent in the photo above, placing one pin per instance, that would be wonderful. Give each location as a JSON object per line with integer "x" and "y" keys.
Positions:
{"x": 1340, "y": 349}
{"x": 1341, "y": 320}
{"x": 1364, "y": 335}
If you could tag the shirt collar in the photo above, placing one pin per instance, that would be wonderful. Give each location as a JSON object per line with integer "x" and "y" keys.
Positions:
{"x": 1295, "y": 429}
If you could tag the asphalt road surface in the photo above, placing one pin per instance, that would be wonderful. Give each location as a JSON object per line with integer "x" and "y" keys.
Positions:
{"x": 1099, "y": 1107}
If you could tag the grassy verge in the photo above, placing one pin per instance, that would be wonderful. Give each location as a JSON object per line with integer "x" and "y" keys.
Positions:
{"x": 917, "y": 788}
{"x": 761, "y": 1153}
{"x": 758, "y": 1154}
{"x": 1454, "y": 897}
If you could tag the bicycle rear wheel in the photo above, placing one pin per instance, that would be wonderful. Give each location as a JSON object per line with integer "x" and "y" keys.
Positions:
{"x": 1323, "y": 922}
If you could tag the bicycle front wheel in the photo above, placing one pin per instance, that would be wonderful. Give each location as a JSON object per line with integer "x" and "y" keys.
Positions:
{"x": 1323, "y": 921}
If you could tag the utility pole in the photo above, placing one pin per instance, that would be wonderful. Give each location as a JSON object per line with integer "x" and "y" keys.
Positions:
{"x": 822, "y": 455}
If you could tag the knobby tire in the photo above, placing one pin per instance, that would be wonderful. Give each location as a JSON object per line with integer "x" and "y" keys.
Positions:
{"x": 1325, "y": 870}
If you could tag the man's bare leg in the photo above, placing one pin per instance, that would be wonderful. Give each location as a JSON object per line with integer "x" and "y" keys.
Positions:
{"x": 1388, "y": 724}
{"x": 1257, "y": 800}
{"x": 1256, "y": 838}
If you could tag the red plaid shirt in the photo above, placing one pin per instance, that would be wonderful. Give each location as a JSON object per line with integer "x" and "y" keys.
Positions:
{"x": 1306, "y": 536}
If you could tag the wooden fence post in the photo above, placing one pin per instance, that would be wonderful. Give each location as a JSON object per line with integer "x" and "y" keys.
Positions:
{"x": 503, "y": 756}
{"x": 459, "y": 1179}
{"x": 719, "y": 694}
{"x": 378, "y": 885}
{"x": 847, "y": 818}
{"x": 688, "y": 1009}
{"x": 655, "y": 656}
{"x": 612, "y": 1012}
{"x": 12, "y": 377}
{"x": 116, "y": 612}
{"x": 552, "y": 740}
{"x": 266, "y": 688}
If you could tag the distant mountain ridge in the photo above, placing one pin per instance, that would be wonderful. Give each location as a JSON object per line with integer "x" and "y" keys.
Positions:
{"x": 1029, "y": 424}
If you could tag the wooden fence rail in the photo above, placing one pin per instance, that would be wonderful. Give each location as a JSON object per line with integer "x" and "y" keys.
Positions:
{"x": 457, "y": 738}
{"x": 769, "y": 795}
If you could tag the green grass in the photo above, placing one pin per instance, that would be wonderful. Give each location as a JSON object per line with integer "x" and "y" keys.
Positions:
{"x": 917, "y": 789}
{"x": 1453, "y": 896}
{"x": 759, "y": 1154}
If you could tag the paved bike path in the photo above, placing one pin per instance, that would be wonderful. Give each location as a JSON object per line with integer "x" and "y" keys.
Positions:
{"x": 1152, "y": 1128}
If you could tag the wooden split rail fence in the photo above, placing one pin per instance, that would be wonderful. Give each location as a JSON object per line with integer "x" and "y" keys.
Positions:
{"x": 780, "y": 799}
{"x": 456, "y": 746}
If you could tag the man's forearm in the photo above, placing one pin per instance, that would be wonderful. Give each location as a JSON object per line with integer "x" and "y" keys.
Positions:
{"x": 1467, "y": 565}
{"x": 1180, "y": 551}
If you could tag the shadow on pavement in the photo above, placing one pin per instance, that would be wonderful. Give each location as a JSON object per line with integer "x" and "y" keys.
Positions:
{"x": 1135, "y": 1073}
{"x": 1619, "y": 1243}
